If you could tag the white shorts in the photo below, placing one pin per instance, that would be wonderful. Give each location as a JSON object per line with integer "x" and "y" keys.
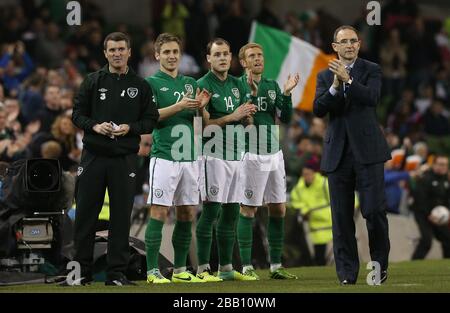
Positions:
{"x": 219, "y": 180}
{"x": 262, "y": 179}
{"x": 173, "y": 183}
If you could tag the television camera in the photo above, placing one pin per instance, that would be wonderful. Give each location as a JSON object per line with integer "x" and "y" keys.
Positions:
{"x": 35, "y": 196}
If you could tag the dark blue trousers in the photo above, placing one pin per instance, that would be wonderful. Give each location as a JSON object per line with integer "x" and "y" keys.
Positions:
{"x": 368, "y": 180}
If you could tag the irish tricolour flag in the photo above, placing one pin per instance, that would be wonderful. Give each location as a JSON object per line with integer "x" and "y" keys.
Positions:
{"x": 285, "y": 54}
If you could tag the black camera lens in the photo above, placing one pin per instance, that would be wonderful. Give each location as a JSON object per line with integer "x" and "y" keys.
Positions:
{"x": 42, "y": 176}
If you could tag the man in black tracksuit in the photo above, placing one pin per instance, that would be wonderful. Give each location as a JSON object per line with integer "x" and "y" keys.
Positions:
{"x": 432, "y": 189}
{"x": 113, "y": 107}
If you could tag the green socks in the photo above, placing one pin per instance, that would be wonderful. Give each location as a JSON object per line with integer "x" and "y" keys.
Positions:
{"x": 226, "y": 232}
{"x": 275, "y": 236}
{"x": 204, "y": 231}
{"x": 245, "y": 238}
{"x": 153, "y": 236}
{"x": 181, "y": 240}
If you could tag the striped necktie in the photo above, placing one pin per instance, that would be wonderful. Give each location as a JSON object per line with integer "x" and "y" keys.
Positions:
{"x": 347, "y": 68}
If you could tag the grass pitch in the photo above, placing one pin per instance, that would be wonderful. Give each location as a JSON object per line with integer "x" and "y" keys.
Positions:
{"x": 414, "y": 276}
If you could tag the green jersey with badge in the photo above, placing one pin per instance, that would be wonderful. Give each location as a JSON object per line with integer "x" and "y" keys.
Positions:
{"x": 226, "y": 97}
{"x": 173, "y": 138}
{"x": 270, "y": 103}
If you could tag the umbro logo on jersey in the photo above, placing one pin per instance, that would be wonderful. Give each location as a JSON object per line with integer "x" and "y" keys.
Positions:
{"x": 164, "y": 89}
{"x": 103, "y": 90}
{"x": 132, "y": 175}
{"x": 79, "y": 171}
{"x": 216, "y": 95}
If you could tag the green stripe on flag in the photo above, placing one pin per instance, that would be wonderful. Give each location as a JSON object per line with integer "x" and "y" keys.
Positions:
{"x": 275, "y": 44}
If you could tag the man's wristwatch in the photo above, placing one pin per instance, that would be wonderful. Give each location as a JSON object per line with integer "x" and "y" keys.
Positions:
{"x": 349, "y": 81}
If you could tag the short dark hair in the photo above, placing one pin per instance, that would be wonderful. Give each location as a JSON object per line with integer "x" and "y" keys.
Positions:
{"x": 117, "y": 36}
{"x": 165, "y": 38}
{"x": 217, "y": 41}
{"x": 341, "y": 28}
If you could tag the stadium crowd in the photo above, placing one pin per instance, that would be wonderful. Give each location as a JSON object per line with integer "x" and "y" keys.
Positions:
{"x": 43, "y": 62}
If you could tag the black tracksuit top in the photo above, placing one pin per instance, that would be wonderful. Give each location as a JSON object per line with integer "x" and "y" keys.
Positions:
{"x": 123, "y": 99}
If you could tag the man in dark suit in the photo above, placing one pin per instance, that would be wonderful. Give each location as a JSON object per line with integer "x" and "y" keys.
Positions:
{"x": 354, "y": 153}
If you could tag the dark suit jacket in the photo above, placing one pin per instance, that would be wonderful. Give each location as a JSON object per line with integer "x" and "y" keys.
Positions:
{"x": 353, "y": 116}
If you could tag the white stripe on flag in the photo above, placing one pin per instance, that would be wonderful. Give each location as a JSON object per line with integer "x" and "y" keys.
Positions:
{"x": 300, "y": 59}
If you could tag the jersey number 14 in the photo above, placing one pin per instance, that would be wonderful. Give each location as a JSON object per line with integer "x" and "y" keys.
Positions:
{"x": 229, "y": 103}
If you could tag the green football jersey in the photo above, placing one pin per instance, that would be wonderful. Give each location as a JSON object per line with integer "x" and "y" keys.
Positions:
{"x": 173, "y": 138}
{"x": 226, "y": 97}
{"x": 270, "y": 103}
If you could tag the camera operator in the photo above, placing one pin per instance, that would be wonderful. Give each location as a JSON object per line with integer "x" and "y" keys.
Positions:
{"x": 432, "y": 189}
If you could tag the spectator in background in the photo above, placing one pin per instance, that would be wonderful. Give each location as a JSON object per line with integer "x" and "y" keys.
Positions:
{"x": 432, "y": 189}
{"x": 50, "y": 48}
{"x": 311, "y": 197}
{"x": 13, "y": 142}
{"x": 310, "y": 32}
{"x": 96, "y": 59}
{"x": 63, "y": 132}
{"x": 436, "y": 123}
{"x": 301, "y": 153}
{"x": 197, "y": 26}
{"x": 441, "y": 85}
{"x": 148, "y": 65}
{"x": 393, "y": 59}
{"x": 399, "y": 13}
{"x": 174, "y": 15}
{"x": 403, "y": 120}
{"x": 235, "y": 28}
{"x": 392, "y": 139}
{"x": 443, "y": 43}
{"x": 55, "y": 78}
{"x": 424, "y": 99}
{"x": 5, "y": 132}
{"x": 66, "y": 103}
{"x": 3, "y": 170}
{"x": 11, "y": 30}
{"x": 52, "y": 98}
{"x": 395, "y": 186}
{"x": 51, "y": 150}
{"x": 267, "y": 17}
{"x": 292, "y": 24}
{"x": 17, "y": 65}
{"x": 14, "y": 119}
{"x": 317, "y": 128}
{"x": 2, "y": 92}
{"x": 421, "y": 149}
{"x": 423, "y": 54}
{"x": 188, "y": 66}
{"x": 31, "y": 97}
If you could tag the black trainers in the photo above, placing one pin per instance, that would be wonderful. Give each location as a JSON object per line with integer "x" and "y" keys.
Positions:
{"x": 384, "y": 277}
{"x": 119, "y": 281}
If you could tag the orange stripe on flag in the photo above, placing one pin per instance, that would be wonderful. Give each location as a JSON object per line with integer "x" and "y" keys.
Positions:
{"x": 320, "y": 63}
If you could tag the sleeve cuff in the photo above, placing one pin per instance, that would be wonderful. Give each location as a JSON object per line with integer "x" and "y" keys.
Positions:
{"x": 333, "y": 91}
